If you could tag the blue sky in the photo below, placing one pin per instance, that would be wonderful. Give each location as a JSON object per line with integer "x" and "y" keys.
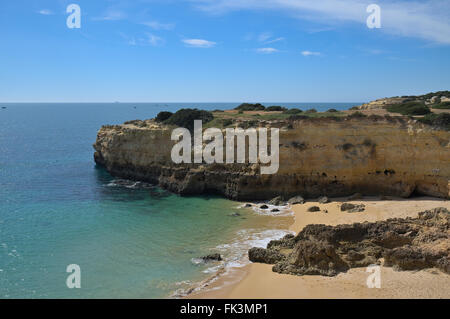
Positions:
{"x": 222, "y": 50}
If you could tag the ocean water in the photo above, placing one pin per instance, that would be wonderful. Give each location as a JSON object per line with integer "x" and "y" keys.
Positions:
{"x": 131, "y": 240}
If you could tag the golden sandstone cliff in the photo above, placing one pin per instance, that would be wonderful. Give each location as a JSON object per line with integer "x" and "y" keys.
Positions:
{"x": 321, "y": 156}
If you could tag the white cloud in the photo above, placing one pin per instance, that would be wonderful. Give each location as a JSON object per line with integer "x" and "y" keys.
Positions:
{"x": 154, "y": 40}
{"x": 275, "y": 40}
{"x": 266, "y": 50}
{"x": 428, "y": 20}
{"x": 159, "y": 26}
{"x": 263, "y": 37}
{"x": 143, "y": 40}
{"x": 45, "y": 12}
{"x": 111, "y": 15}
{"x": 310, "y": 53}
{"x": 198, "y": 43}
{"x": 267, "y": 38}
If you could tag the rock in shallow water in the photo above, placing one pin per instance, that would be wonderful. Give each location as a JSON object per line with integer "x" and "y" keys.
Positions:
{"x": 211, "y": 257}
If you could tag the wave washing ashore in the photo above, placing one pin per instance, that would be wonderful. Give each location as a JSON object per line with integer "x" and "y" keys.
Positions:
{"x": 262, "y": 226}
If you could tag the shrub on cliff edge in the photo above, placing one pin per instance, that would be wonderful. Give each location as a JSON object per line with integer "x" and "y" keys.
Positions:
{"x": 185, "y": 118}
{"x": 250, "y": 107}
{"x": 162, "y": 116}
{"x": 275, "y": 108}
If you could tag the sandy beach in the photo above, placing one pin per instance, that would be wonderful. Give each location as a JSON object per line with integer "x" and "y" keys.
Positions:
{"x": 258, "y": 280}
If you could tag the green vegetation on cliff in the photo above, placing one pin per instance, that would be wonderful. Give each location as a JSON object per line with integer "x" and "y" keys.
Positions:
{"x": 250, "y": 107}
{"x": 162, "y": 116}
{"x": 292, "y": 111}
{"x": 276, "y": 108}
{"x": 443, "y": 105}
{"x": 409, "y": 108}
{"x": 439, "y": 120}
{"x": 186, "y": 117}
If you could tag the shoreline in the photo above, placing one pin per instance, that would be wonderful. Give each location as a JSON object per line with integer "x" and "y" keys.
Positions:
{"x": 258, "y": 281}
{"x": 264, "y": 226}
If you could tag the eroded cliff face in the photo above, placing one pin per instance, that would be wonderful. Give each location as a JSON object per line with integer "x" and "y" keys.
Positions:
{"x": 317, "y": 157}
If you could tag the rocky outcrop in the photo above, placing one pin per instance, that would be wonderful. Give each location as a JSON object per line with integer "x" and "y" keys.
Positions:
{"x": 405, "y": 244}
{"x": 323, "y": 156}
{"x": 382, "y": 103}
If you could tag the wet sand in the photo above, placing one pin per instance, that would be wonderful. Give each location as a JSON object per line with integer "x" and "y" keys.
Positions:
{"x": 258, "y": 280}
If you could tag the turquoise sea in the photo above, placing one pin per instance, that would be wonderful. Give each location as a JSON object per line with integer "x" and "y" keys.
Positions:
{"x": 131, "y": 240}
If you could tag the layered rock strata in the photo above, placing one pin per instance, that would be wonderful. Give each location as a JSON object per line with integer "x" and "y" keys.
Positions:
{"x": 324, "y": 156}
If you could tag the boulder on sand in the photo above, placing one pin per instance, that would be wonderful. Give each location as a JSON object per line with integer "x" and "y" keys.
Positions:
{"x": 277, "y": 201}
{"x": 352, "y": 208}
{"x": 296, "y": 200}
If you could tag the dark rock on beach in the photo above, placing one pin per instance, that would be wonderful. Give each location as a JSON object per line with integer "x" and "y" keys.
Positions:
{"x": 352, "y": 208}
{"x": 314, "y": 209}
{"x": 277, "y": 201}
{"x": 261, "y": 255}
{"x": 323, "y": 200}
{"x": 296, "y": 200}
{"x": 405, "y": 244}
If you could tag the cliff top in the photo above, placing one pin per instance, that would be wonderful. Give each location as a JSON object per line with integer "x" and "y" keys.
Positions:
{"x": 432, "y": 110}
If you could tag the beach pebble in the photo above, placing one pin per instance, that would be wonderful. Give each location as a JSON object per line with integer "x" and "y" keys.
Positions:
{"x": 323, "y": 200}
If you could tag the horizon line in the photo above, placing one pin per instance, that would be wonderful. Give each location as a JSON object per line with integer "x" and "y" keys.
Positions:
{"x": 125, "y": 102}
